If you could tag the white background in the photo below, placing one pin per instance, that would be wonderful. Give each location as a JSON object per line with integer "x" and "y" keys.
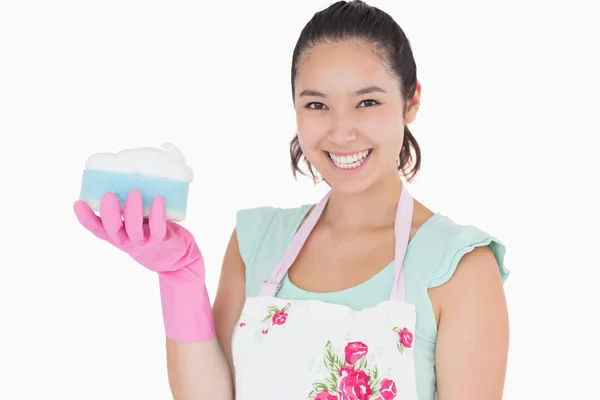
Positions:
{"x": 508, "y": 123}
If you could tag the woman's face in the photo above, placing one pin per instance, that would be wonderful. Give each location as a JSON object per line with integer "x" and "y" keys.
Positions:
{"x": 349, "y": 115}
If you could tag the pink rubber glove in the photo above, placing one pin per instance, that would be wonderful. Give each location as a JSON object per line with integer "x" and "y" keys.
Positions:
{"x": 163, "y": 247}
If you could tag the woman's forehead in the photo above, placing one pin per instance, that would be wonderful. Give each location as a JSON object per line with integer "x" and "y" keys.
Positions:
{"x": 347, "y": 66}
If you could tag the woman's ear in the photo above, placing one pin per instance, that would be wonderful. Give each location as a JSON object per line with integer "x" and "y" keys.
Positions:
{"x": 413, "y": 105}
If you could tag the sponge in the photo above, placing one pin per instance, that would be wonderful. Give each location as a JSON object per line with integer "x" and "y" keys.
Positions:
{"x": 151, "y": 171}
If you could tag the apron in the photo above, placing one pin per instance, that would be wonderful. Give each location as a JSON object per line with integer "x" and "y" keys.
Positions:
{"x": 299, "y": 349}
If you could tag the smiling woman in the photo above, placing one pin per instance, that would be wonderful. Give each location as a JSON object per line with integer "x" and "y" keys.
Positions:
{"x": 345, "y": 109}
{"x": 366, "y": 295}
{"x": 341, "y": 162}
{"x": 380, "y": 82}
{"x": 421, "y": 285}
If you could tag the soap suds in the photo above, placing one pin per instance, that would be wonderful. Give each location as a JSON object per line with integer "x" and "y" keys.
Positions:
{"x": 167, "y": 162}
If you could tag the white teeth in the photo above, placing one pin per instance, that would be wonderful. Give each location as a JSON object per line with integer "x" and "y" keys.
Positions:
{"x": 349, "y": 161}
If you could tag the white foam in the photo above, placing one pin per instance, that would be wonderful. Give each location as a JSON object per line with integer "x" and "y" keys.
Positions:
{"x": 167, "y": 162}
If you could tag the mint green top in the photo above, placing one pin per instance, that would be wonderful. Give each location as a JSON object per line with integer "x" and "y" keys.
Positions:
{"x": 264, "y": 233}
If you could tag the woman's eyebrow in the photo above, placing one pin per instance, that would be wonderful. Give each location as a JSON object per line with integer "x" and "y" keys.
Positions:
{"x": 365, "y": 90}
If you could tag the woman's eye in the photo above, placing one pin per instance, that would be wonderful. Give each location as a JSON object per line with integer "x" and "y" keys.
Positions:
{"x": 368, "y": 103}
{"x": 316, "y": 106}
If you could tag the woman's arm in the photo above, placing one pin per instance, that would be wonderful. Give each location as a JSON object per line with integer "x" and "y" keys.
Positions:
{"x": 472, "y": 343}
{"x": 230, "y": 299}
{"x": 199, "y": 371}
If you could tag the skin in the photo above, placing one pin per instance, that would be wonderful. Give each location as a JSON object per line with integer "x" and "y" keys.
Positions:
{"x": 346, "y": 107}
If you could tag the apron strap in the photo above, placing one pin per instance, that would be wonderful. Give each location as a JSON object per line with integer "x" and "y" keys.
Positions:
{"x": 404, "y": 215}
{"x": 402, "y": 227}
{"x": 271, "y": 286}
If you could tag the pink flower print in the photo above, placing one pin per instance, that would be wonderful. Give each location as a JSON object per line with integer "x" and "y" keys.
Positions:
{"x": 355, "y": 351}
{"x": 265, "y": 331}
{"x": 349, "y": 376}
{"x": 406, "y": 338}
{"x": 242, "y": 324}
{"x": 276, "y": 315}
{"x": 326, "y": 396}
{"x": 354, "y": 384}
{"x": 387, "y": 389}
{"x": 279, "y": 318}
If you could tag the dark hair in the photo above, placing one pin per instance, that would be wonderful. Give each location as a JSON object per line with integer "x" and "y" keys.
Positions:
{"x": 356, "y": 20}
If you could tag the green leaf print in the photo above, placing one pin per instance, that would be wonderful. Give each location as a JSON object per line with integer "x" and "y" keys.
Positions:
{"x": 331, "y": 379}
{"x": 332, "y": 361}
{"x": 361, "y": 364}
{"x": 333, "y": 365}
{"x": 332, "y": 385}
{"x": 272, "y": 311}
{"x": 374, "y": 381}
{"x": 329, "y": 361}
{"x": 400, "y": 348}
{"x": 318, "y": 387}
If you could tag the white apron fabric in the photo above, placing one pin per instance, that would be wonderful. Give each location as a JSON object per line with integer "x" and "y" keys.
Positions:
{"x": 299, "y": 349}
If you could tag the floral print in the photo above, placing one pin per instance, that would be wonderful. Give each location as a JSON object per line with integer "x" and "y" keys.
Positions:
{"x": 276, "y": 315}
{"x": 405, "y": 339}
{"x": 331, "y": 364}
{"x": 354, "y": 384}
{"x": 351, "y": 377}
{"x": 349, "y": 374}
{"x": 388, "y": 389}
{"x": 354, "y": 351}
{"x": 279, "y": 318}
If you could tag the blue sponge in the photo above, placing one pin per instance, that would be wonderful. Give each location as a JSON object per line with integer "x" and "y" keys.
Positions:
{"x": 151, "y": 171}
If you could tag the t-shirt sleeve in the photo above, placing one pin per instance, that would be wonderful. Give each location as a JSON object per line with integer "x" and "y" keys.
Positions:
{"x": 463, "y": 240}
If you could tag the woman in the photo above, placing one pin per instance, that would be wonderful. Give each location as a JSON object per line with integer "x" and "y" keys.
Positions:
{"x": 367, "y": 294}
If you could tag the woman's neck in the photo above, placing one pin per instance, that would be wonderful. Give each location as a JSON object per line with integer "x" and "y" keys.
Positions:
{"x": 374, "y": 208}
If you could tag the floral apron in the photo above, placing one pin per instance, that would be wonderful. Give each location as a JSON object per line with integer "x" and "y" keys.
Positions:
{"x": 298, "y": 349}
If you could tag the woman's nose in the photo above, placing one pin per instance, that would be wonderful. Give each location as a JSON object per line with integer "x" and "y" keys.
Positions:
{"x": 342, "y": 132}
